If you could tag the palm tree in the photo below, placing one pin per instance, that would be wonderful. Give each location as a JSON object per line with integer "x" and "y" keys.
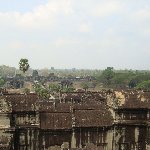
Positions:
{"x": 23, "y": 65}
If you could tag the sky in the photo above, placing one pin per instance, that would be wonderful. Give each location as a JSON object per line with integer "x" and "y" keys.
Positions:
{"x": 83, "y": 34}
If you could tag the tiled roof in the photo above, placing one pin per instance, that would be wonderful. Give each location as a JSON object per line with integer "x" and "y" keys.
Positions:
{"x": 21, "y": 102}
{"x": 136, "y": 100}
{"x": 83, "y": 96}
{"x": 56, "y": 120}
{"x": 93, "y": 118}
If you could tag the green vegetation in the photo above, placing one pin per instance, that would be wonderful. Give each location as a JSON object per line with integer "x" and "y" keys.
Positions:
{"x": 7, "y": 71}
{"x": 35, "y": 73}
{"x": 145, "y": 85}
{"x": 123, "y": 79}
{"x": 41, "y": 91}
{"x": 107, "y": 76}
{"x": 85, "y": 86}
{"x": 23, "y": 65}
{"x": 68, "y": 89}
{"x": 53, "y": 87}
{"x": 2, "y": 82}
{"x": 78, "y": 78}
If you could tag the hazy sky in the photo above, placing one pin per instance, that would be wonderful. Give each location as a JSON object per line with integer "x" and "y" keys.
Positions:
{"x": 76, "y": 33}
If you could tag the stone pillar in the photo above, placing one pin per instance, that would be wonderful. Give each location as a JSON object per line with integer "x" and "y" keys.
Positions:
{"x": 43, "y": 143}
{"x": 148, "y": 115}
{"x": 109, "y": 139}
{"x": 88, "y": 137}
{"x": 114, "y": 139}
{"x": 73, "y": 140}
{"x": 80, "y": 145}
{"x": 136, "y": 135}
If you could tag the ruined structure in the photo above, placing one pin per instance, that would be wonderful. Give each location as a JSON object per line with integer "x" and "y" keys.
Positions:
{"x": 132, "y": 120}
{"x": 106, "y": 120}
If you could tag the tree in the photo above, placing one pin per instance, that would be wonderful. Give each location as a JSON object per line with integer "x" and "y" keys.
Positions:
{"x": 45, "y": 72}
{"x": 84, "y": 86}
{"x": 54, "y": 87}
{"x": 137, "y": 79}
{"x": 107, "y": 76}
{"x": 6, "y": 70}
{"x": 2, "y": 82}
{"x": 145, "y": 85}
{"x": 120, "y": 80}
{"x": 41, "y": 91}
{"x": 35, "y": 73}
{"x": 23, "y": 65}
{"x": 69, "y": 89}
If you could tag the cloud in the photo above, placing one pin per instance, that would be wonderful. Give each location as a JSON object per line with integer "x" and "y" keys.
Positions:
{"x": 86, "y": 33}
{"x": 106, "y": 8}
{"x": 16, "y": 45}
{"x": 84, "y": 28}
{"x": 43, "y": 16}
{"x": 66, "y": 42}
{"x": 142, "y": 14}
{"x": 46, "y": 15}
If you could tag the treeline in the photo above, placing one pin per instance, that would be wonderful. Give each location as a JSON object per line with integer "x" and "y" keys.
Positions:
{"x": 108, "y": 78}
{"x": 7, "y": 71}
{"x": 125, "y": 79}
{"x": 11, "y": 71}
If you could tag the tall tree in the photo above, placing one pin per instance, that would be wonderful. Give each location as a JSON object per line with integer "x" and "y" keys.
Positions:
{"x": 23, "y": 65}
{"x": 107, "y": 76}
